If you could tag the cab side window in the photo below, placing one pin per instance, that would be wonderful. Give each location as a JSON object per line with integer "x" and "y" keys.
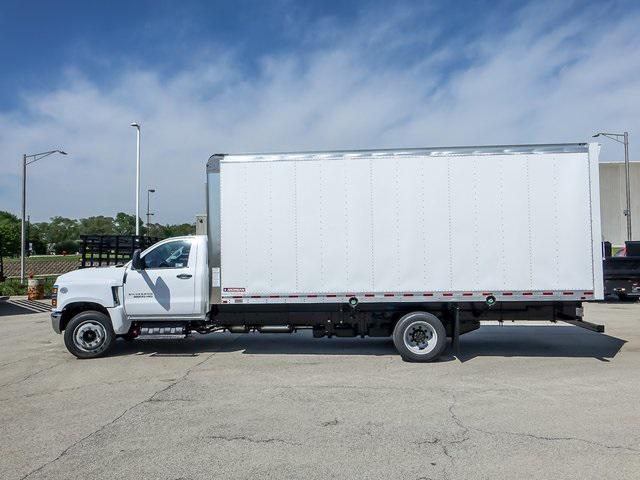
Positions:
{"x": 169, "y": 255}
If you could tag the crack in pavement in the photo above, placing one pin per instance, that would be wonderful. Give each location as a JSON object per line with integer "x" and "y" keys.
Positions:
{"x": 152, "y": 398}
{"x": 77, "y": 442}
{"x": 446, "y": 445}
{"x": 455, "y": 418}
{"x": 330, "y": 423}
{"x": 443, "y": 444}
{"x": 244, "y": 438}
{"x": 169, "y": 400}
{"x": 351, "y": 387}
{"x": 545, "y": 438}
{"x": 65, "y": 390}
{"x": 14, "y": 362}
{"x": 433, "y": 441}
{"x": 33, "y": 374}
{"x": 468, "y": 428}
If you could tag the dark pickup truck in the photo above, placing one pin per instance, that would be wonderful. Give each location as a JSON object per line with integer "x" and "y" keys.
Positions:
{"x": 622, "y": 271}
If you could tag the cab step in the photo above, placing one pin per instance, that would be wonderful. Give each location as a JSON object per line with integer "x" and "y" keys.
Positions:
{"x": 162, "y": 331}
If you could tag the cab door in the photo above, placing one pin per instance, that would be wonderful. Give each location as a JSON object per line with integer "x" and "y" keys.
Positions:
{"x": 165, "y": 287}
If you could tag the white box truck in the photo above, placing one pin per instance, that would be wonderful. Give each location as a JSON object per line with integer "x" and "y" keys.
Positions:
{"x": 417, "y": 244}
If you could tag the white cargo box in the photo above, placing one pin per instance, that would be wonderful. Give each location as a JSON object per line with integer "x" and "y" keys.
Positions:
{"x": 415, "y": 225}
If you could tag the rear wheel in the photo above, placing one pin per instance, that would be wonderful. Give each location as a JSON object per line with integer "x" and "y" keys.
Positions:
{"x": 419, "y": 337}
{"x": 89, "y": 334}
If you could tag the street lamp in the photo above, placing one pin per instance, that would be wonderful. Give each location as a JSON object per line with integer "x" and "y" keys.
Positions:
{"x": 137, "y": 127}
{"x": 625, "y": 141}
{"x": 31, "y": 159}
{"x": 149, "y": 191}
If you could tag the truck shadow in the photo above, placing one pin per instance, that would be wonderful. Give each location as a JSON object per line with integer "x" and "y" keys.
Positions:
{"x": 557, "y": 341}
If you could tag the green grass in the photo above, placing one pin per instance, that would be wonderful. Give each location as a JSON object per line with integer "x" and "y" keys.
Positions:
{"x": 62, "y": 258}
{"x": 12, "y": 286}
{"x": 46, "y": 258}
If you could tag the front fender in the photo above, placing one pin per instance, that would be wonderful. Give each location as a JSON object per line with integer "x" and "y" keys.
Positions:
{"x": 100, "y": 300}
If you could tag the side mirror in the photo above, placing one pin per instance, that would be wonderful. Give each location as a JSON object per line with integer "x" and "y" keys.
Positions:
{"x": 137, "y": 263}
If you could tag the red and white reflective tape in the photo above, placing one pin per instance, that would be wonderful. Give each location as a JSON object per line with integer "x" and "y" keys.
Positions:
{"x": 410, "y": 296}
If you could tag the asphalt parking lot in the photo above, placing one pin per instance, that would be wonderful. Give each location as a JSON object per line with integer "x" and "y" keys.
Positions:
{"x": 527, "y": 401}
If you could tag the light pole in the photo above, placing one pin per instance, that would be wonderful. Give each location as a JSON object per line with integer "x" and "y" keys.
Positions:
{"x": 625, "y": 141}
{"x": 149, "y": 191}
{"x": 137, "y": 127}
{"x": 31, "y": 159}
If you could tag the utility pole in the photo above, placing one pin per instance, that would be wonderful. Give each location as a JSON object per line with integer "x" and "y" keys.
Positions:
{"x": 22, "y": 220}
{"x": 137, "y": 127}
{"x": 627, "y": 171}
{"x": 149, "y": 214}
{"x": 628, "y": 183}
{"x": 28, "y": 246}
{"x": 23, "y": 234}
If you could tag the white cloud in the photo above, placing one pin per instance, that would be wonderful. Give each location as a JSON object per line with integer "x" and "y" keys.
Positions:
{"x": 552, "y": 76}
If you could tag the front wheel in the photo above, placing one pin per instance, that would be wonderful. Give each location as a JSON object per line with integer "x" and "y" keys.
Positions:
{"x": 419, "y": 337}
{"x": 89, "y": 334}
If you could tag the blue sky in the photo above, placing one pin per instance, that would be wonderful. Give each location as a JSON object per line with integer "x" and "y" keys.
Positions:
{"x": 42, "y": 38}
{"x": 204, "y": 77}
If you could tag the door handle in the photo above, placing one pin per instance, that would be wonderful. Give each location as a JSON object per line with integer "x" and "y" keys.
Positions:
{"x": 184, "y": 276}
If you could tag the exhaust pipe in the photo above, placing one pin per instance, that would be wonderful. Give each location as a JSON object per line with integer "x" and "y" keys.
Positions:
{"x": 276, "y": 329}
{"x": 238, "y": 329}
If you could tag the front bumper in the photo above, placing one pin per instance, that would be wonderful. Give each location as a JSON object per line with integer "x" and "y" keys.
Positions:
{"x": 56, "y": 317}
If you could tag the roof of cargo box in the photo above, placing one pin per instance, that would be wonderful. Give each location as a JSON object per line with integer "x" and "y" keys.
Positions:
{"x": 214, "y": 160}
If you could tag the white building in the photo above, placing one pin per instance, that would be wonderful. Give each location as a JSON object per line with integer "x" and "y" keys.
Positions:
{"x": 613, "y": 201}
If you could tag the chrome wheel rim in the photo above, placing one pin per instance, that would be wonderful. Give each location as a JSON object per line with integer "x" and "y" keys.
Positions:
{"x": 89, "y": 336}
{"x": 420, "y": 337}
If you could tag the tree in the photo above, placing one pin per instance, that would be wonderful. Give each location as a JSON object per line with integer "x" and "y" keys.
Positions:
{"x": 10, "y": 233}
{"x": 67, "y": 247}
{"x": 154, "y": 230}
{"x": 63, "y": 234}
{"x": 124, "y": 224}
{"x": 166, "y": 231}
{"x": 61, "y": 229}
{"x": 99, "y": 225}
{"x": 178, "y": 230}
{"x": 38, "y": 233}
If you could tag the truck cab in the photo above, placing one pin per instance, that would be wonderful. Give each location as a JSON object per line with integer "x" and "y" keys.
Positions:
{"x": 166, "y": 283}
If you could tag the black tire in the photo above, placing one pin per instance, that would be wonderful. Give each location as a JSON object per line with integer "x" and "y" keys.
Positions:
{"x": 426, "y": 340}
{"x": 89, "y": 334}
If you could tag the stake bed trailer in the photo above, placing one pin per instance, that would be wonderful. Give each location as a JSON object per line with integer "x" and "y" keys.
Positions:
{"x": 420, "y": 244}
{"x": 622, "y": 273}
